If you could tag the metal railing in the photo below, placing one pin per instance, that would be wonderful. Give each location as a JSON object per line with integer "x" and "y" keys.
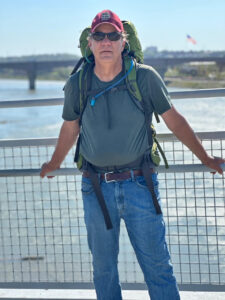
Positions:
{"x": 43, "y": 235}
{"x": 206, "y": 93}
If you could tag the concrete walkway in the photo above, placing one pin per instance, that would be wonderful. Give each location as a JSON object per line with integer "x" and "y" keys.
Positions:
{"x": 64, "y": 294}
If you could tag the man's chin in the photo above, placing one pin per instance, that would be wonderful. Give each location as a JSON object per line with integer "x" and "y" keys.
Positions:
{"x": 106, "y": 56}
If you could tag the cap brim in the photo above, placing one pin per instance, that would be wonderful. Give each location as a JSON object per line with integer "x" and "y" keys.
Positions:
{"x": 117, "y": 28}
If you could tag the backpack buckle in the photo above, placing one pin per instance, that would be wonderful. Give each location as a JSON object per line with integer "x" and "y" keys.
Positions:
{"x": 105, "y": 177}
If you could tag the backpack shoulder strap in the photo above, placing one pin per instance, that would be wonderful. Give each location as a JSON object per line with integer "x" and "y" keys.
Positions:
{"x": 79, "y": 63}
{"x": 85, "y": 80}
{"x": 85, "y": 77}
{"x": 135, "y": 91}
{"x": 133, "y": 87}
{"x": 131, "y": 79}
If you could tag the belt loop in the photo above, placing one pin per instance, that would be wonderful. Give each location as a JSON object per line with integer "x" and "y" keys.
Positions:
{"x": 99, "y": 177}
{"x": 132, "y": 174}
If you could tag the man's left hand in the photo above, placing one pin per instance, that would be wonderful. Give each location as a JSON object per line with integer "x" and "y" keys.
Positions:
{"x": 215, "y": 163}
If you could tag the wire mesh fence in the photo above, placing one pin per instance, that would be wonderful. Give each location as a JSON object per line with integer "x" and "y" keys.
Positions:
{"x": 43, "y": 235}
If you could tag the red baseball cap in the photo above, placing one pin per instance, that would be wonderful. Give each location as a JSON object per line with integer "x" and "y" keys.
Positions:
{"x": 107, "y": 17}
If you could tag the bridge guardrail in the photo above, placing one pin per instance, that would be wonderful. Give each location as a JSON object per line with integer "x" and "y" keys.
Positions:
{"x": 43, "y": 232}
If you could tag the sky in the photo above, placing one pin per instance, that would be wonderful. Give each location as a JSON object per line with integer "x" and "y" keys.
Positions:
{"x": 32, "y": 27}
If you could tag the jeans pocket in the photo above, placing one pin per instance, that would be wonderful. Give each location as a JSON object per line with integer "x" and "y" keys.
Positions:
{"x": 140, "y": 181}
{"x": 86, "y": 187}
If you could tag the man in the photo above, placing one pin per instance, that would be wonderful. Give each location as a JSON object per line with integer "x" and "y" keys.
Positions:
{"x": 113, "y": 135}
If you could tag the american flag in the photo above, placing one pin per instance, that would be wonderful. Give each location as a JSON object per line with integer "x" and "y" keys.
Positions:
{"x": 191, "y": 40}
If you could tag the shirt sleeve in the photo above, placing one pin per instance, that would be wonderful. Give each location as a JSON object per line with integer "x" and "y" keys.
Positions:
{"x": 153, "y": 90}
{"x": 159, "y": 95}
{"x": 71, "y": 108}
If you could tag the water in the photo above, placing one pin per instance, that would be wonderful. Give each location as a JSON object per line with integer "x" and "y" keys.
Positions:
{"x": 30, "y": 121}
{"x": 202, "y": 114}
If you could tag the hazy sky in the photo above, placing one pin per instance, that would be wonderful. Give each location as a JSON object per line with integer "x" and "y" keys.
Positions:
{"x": 53, "y": 26}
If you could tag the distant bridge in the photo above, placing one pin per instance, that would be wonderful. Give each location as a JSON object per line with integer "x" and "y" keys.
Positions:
{"x": 160, "y": 64}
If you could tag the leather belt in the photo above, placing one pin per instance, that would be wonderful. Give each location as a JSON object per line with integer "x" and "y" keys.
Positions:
{"x": 111, "y": 176}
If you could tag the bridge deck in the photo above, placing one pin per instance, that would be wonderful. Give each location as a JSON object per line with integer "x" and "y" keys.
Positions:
{"x": 42, "y": 294}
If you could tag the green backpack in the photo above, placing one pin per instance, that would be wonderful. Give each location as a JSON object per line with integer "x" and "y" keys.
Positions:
{"x": 132, "y": 54}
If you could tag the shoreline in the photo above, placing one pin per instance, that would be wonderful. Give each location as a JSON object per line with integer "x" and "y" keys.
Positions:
{"x": 197, "y": 83}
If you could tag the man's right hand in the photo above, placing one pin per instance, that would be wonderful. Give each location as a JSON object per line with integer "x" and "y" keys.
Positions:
{"x": 46, "y": 168}
{"x": 67, "y": 137}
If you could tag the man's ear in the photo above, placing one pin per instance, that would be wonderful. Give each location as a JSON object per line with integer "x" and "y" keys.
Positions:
{"x": 123, "y": 45}
{"x": 89, "y": 43}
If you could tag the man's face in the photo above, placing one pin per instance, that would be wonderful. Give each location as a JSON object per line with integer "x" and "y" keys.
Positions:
{"x": 106, "y": 50}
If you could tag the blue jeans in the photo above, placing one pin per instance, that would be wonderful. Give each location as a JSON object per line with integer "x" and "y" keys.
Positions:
{"x": 131, "y": 200}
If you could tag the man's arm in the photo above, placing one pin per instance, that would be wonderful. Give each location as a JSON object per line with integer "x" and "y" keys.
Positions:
{"x": 182, "y": 130}
{"x": 67, "y": 137}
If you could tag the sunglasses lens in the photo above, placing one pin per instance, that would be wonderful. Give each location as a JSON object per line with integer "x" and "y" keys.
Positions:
{"x": 98, "y": 36}
{"x": 112, "y": 36}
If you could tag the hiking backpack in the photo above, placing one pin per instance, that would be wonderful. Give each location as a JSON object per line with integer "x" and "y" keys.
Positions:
{"x": 132, "y": 54}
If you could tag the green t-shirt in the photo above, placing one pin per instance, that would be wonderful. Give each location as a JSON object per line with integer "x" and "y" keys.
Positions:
{"x": 114, "y": 131}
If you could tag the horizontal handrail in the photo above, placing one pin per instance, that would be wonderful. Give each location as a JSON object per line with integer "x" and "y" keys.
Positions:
{"x": 28, "y": 142}
{"x": 132, "y": 286}
{"x": 207, "y": 135}
{"x": 185, "y": 168}
{"x": 210, "y": 135}
{"x": 31, "y": 103}
{"x": 202, "y": 93}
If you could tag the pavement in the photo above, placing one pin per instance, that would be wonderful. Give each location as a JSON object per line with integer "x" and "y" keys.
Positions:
{"x": 75, "y": 294}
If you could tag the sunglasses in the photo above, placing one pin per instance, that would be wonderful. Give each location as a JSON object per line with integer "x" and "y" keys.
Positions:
{"x": 112, "y": 36}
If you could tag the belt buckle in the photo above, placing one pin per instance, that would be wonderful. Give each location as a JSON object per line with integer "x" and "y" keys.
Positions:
{"x": 105, "y": 176}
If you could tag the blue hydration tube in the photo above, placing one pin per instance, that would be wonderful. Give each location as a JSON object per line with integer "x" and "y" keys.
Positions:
{"x": 113, "y": 85}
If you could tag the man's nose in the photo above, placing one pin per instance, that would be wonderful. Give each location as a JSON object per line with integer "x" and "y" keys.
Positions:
{"x": 105, "y": 40}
